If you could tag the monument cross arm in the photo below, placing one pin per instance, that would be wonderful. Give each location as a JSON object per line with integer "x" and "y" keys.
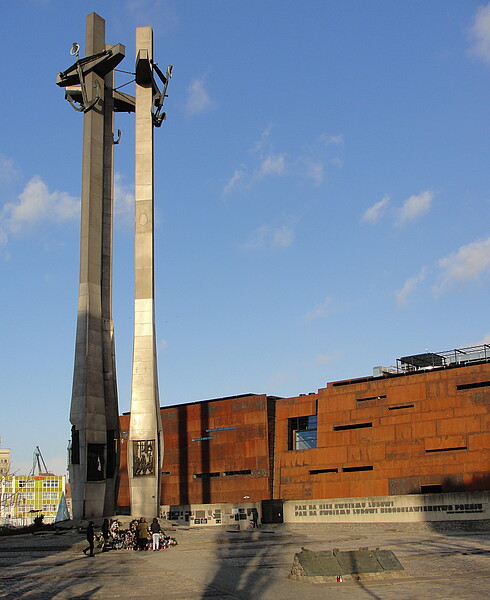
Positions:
{"x": 100, "y": 63}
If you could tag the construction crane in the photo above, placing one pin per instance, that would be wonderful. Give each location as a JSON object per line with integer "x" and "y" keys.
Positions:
{"x": 37, "y": 460}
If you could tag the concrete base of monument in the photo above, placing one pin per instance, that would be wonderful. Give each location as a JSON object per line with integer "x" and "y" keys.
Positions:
{"x": 347, "y": 565}
{"x": 234, "y": 516}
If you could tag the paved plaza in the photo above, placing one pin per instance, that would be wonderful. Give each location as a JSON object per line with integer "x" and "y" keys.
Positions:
{"x": 248, "y": 565}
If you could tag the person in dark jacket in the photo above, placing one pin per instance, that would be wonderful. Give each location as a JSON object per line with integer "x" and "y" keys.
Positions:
{"x": 90, "y": 539}
{"x": 105, "y": 534}
{"x": 155, "y": 534}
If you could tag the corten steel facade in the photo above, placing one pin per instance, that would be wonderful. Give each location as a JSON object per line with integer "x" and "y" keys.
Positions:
{"x": 414, "y": 433}
{"x": 424, "y": 431}
{"x": 215, "y": 451}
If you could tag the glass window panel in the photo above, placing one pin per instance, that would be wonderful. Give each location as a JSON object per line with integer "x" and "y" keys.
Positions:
{"x": 305, "y": 440}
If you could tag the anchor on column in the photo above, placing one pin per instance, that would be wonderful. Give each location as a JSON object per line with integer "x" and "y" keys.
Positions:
{"x": 73, "y": 79}
{"x": 144, "y": 76}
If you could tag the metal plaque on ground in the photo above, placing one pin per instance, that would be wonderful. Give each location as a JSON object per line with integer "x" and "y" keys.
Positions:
{"x": 326, "y": 564}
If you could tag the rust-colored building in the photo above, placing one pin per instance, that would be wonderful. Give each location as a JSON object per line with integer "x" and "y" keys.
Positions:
{"x": 420, "y": 428}
{"x": 215, "y": 451}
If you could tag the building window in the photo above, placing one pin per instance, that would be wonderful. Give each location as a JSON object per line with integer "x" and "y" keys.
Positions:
{"x": 50, "y": 495}
{"x": 26, "y": 496}
{"x": 447, "y": 449}
{"x": 23, "y": 483}
{"x": 352, "y": 426}
{"x": 472, "y": 386}
{"x": 355, "y": 469}
{"x": 302, "y": 432}
{"x": 367, "y": 398}
{"x": 205, "y": 475}
{"x": 320, "y": 471}
{"x": 51, "y": 483}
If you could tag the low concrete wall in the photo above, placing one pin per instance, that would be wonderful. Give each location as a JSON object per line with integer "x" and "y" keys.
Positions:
{"x": 460, "y": 506}
{"x": 238, "y": 515}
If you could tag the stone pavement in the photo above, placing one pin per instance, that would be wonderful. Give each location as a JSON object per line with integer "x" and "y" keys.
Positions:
{"x": 250, "y": 565}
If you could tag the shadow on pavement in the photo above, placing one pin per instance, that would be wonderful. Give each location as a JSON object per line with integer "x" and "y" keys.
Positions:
{"x": 29, "y": 569}
{"x": 244, "y": 560}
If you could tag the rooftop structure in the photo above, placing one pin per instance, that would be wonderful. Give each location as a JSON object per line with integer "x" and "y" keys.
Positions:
{"x": 436, "y": 360}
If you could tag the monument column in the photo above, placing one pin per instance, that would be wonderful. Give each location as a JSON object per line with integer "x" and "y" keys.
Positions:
{"x": 145, "y": 448}
{"x": 87, "y": 413}
{"x": 94, "y": 409}
{"x": 108, "y": 343}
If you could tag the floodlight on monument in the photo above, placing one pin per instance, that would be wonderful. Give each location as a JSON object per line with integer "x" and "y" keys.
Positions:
{"x": 75, "y": 49}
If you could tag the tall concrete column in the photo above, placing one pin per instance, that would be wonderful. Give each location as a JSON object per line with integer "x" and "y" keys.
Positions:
{"x": 94, "y": 408}
{"x": 87, "y": 413}
{"x": 145, "y": 451}
{"x": 108, "y": 344}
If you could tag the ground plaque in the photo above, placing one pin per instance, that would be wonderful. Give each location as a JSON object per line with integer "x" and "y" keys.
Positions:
{"x": 325, "y": 565}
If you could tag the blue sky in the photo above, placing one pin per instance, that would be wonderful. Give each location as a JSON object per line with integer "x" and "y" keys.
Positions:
{"x": 322, "y": 197}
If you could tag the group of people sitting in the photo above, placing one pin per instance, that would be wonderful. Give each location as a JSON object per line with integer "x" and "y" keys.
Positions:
{"x": 140, "y": 536}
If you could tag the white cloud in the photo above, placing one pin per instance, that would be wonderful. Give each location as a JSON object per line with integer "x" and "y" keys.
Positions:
{"x": 415, "y": 206}
{"x": 261, "y": 144}
{"x": 467, "y": 264}
{"x": 480, "y": 33}
{"x": 234, "y": 181}
{"x": 8, "y": 171}
{"x": 409, "y": 287}
{"x": 315, "y": 171}
{"x": 198, "y": 100}
{"x": 321, "y": 360}
{"x": 259, "y": 238}
{"x": 266, "y": 236}
{"x": 329, "y": 140}
{"x": 267, "y": 162}
{"x": 376, "y": 211}
{"x": 282, "y": 237}
{"x": 274, "y": 164}
{"x": 320, "y": 311}
{"x": 37, "y": 203}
